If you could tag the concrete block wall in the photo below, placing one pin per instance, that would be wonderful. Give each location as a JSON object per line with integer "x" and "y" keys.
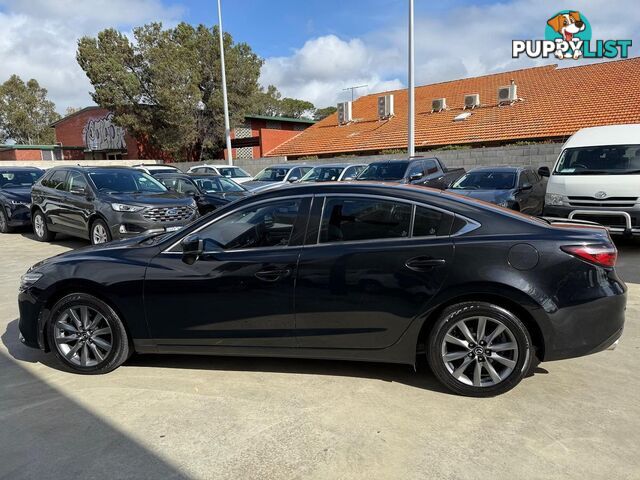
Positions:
{"x": 55, "y": 163}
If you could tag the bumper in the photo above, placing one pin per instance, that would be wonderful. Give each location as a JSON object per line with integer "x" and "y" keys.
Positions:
{"x": 126, "y": 225}
{"x": 32, "y": 318}
{"x": 18, "y": 215}
{"x": 616, "y": 220}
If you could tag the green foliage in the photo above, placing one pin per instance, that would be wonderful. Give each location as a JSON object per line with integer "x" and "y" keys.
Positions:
{"x": 165, "y": 85}
{"x": 25, "y": 113}
{"x": 394, "y": 151}
{"x": 454, "y": 147}
{"x": 322, "y": 113}
{"x": 270, "y": 102}
{"x": 309, "y": 157}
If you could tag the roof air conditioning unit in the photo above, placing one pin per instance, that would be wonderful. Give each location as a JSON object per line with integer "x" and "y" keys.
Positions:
{"x": 344, "y": 113}
{"x": 385, "y": 107}
{"x": 438, "y": 104}
{"x": 472, "y": 100}
{"x": 508, "y": 94}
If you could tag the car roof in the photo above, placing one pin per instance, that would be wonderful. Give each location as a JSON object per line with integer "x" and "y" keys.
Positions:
{"x": 338, "y": 165}
{"x": 602, "y": 136}
{"x": 502, "y": 168}
{"x": 19, "y": 168}
{"x": 288, "y": 165}
{"x": 401, "y": 160}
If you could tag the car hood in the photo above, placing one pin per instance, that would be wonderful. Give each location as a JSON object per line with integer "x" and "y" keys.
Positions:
{"x": 493, "y": 196}
{"x": 151, "y": 199}
{"x": 21, "y": 194}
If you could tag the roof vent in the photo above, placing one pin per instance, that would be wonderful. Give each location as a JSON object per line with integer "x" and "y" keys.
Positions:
{"x": 462, "y": 116}
{"x": 472, "y": 100}
{"x": 438, "y": 104}
{"x": 385, "y": 106}
{"x": 508, "y": 94}
{"x": 344, "y": 113}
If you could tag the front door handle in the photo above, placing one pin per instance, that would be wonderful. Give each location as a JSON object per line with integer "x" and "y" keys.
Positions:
{"x": 272, "y": 274}
{"x": 422, "y": 264}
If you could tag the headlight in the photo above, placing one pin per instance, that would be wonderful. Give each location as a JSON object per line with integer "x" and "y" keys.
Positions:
{"x": 28, "y": 279}
{"x": 553, "y": 199}
{"x": 123, "y": 207}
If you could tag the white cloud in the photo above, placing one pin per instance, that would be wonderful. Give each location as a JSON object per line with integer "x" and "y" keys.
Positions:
{"x": 39, "y": 39}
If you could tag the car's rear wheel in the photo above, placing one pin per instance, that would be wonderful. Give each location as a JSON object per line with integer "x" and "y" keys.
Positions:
{"x": 40, "y": 228}
{"x": 479, "y": 349}
{"x": 99, "y": 232}
{"x": 4, "y": 221}
{"x": 87, "y": 335}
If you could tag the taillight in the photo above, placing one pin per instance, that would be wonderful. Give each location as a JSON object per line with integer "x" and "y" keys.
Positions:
{"x": 602, "y": 254}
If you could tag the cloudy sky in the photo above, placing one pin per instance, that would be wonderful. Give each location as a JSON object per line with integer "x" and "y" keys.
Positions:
{"x": 313, "y": 49}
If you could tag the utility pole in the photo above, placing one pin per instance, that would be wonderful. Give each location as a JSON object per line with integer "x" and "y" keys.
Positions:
{"x": 353, "y": 89}
{"x": 227, "y": 128}
{"x": 411, "y": 92}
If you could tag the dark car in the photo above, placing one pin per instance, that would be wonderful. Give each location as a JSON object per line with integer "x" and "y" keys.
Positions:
{"x": 105, "y": 203}
{"x": 350, "y": 271}
{"x": 427, "y": 172}
{"x": 334, "y": 172}
{"x": 209, "y": 191}
{"x": 517, "y": 188}
{"x": 15, "y": 196}
{"x": 277, "y": 175}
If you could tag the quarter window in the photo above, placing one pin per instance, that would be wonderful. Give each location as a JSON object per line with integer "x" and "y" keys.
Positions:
{"x": 264, "y": 225}
{"x": 349, "y": 219}
{"x": 431, "y": 223}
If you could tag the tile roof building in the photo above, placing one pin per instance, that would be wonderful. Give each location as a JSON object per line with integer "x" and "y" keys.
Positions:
{"x": 552, "y": 103}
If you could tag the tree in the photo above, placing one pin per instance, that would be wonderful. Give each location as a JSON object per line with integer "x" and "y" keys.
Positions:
{"x": 322, "y": 113}
{"x": 165, "y": 86}
{"x": 25, "y": 112}
{"x": 294, "y": 108}
{"x": 270, "y": 102}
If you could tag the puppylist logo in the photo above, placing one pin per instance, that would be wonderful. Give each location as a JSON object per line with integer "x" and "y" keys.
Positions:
{"x": 568, "y": 36}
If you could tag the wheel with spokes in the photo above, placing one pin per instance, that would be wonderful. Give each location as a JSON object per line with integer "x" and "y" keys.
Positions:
{"x": 99, "y": 232}
{"x": 40, "y": 228}
{"x": 479, "y": 349}
{"x": 87, "y": 335}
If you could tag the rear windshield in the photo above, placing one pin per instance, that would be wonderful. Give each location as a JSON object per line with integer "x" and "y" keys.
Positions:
{"x": 601, "y": 160}
{"x": 322, "y": 174}
{"x": 120, "y": 181}
{"x": 18, "y": 178}
{"x": 486, "y": 181}
{"x": 384, "y": 171}
{"x": 217, "y": 184}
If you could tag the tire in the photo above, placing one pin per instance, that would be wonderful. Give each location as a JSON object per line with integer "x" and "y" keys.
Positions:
{"x": 40, "y": 227}
{"x": 4, "y": 221}
{"x": 448, "y": 357}
{"x": 99, "y": 232}
{"x": 101, "y": 331}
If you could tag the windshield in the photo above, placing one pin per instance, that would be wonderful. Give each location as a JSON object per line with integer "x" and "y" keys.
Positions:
{"x": 603, "y": 160}
{"x": 217, "y": 185}
{"x": 384, "y": 171}
{"x": 123, "y": 181}
{"x": 323, "y": 174}
{"x": 19, "y": 178}
{"x": 272, "y": 174}
{"x": 233, "y": 172}
{"x": 486, "y": 181}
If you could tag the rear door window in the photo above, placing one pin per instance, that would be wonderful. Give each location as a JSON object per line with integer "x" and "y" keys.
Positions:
{"x": 57, "y": 180}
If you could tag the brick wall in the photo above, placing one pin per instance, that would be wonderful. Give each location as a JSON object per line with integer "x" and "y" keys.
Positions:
{"x": 20, "y": 155}
{"x": 57, "y": 163}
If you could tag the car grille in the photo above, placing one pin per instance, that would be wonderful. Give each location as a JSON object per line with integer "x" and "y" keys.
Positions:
{"x": 168, "y": 214}
{"x": 620, "y": 202}
{"x": 609, "y": 221}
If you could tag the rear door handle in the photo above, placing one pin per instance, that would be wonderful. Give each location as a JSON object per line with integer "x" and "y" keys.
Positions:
{"x": 272, "y": 274}
{"x": 421, "y": 264}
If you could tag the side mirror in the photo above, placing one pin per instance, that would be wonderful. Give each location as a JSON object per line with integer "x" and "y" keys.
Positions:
{"x": 293, "y": 179}
{"x": 78, "y": 191}
{"x": 192, "y": 248}
{"x": 416, "y": 176}
{"x": 544, "y": 172}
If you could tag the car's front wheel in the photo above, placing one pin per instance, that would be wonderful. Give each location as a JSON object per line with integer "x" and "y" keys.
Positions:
{"x": 99, "y": 232}
{"x": 87, "y": 335}
{"x": 4, "y": 221}
{"x": 40, "y": 227}
{"x": 479, "y": 349}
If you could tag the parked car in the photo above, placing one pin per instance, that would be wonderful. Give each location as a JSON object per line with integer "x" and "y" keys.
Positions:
{"x": 105, "y": 203}
{"x": 597, "y": 178}
{"x": 209, "y": 191}
{"x": 154, "y": 168}
{"x": 428, "y": 172}
{"x": 15, "y": 196}
{"x": 349, "y": 270}
{"x": 517, "y": 188}
{"x": 277, "y": 175}
{"x": 334, "y": 172}
{"x": 236, "y": 174}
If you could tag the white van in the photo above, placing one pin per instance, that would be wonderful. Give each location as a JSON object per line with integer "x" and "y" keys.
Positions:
{"x": 597, "y": 178}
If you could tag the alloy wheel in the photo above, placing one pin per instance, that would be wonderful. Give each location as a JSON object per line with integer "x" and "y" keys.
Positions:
{"x": 83, "y": 336}
{"x": 480, "y": 351}
{"x": 38, "y": 225}
{"x": 99, "y": 234}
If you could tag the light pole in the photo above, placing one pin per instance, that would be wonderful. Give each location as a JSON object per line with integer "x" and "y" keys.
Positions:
{"x": 227, "y": 128}
{"x": 411, "y": 92}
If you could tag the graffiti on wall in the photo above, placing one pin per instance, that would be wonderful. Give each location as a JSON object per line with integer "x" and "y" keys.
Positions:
{"x": 103, "y": 134}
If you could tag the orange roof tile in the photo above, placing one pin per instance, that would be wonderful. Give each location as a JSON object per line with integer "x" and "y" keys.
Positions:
{"x": 556, "y": 102}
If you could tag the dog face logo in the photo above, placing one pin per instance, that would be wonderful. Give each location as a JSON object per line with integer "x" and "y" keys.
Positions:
{"x": 567, "y": 24}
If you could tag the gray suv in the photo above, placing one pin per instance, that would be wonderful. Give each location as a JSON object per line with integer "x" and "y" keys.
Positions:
{"x": 105, "y": 203}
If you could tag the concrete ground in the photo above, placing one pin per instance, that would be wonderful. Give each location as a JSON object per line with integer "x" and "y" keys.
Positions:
{"x": 238, "y": 418}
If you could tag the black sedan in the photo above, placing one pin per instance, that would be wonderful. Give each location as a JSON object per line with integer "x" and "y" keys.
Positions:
{"x": 517, "y": 188}
{"x": 210, "y": 191}
{"x": 361, "y": 271}
{"x": 15, "y": 196}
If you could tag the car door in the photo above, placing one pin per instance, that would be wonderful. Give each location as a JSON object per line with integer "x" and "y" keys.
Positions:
{"x": 364, "y": 275}
{"x": 79, "y": 203}
{"x": 240, "y": 292}
{"x": 54, "y": 199}
{"x": 416, "y": 169}
{"x": 524, "y": 196}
